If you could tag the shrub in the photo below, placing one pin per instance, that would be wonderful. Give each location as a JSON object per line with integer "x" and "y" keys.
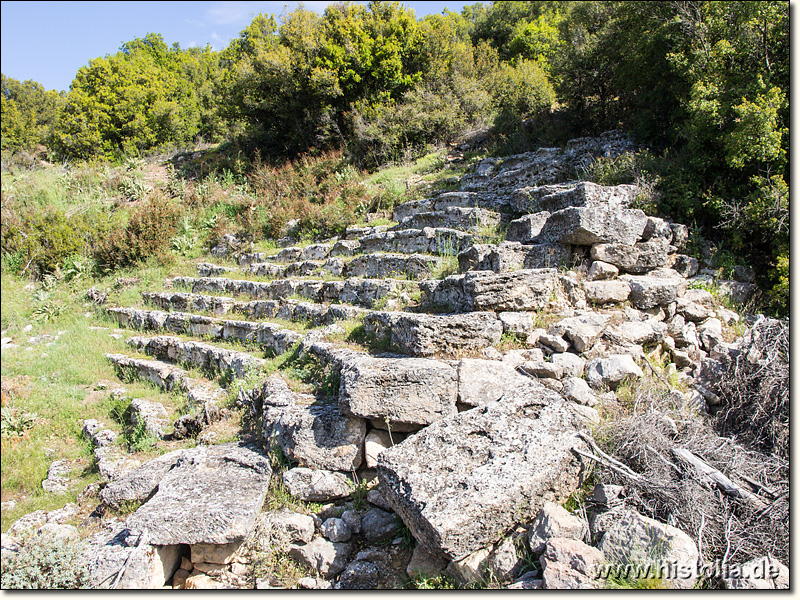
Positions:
{"x": 43, "y": 565}
{"x": 147, "y": 233}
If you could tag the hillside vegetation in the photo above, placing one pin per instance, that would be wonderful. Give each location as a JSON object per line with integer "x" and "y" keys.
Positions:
{"x": 702, "y": 87}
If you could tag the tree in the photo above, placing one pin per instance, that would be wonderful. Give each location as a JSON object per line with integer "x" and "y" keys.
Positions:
{"x": 29, "y": 113}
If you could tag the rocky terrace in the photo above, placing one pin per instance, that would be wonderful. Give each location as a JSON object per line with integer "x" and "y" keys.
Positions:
{"x": 463, "y": 370}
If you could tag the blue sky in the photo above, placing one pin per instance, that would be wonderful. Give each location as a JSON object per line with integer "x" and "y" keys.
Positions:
{"x": 49, "y": 41}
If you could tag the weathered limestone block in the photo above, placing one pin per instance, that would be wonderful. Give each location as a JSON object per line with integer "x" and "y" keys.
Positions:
{"x": 600, "y": 270}
{"x": 527, "y": 228}
{"x": 570, "y": 564}
{"x": 512, "y": 256}
{"x": 483, "y": 381}
{"x": 483, "y": 470}
{"x": 409, "y": 390}
{"x": 528, "y": 289}
{"x": 312, "y": 435}
{"x": 409, "y": 209}
{"x": 637, "y": 258}
{"x": 587, "y": 226}
{"x": 575, "y": 194}
{"x": 212, "y": 495}
{"x": 453, "y": 217}
{"x": 425, "y": 335}
{"x": 140, "y": 483}
{"x": 603, "y": 292}
{"x": 327, "y": 558}
{"x": 634, "y": 539}
{"x": 582, "y": 330}
{"x": 317, "y": 485}
{"x": 611, "y": 370}
{"x": 391, "y": 265}
{"x": 554, "y": 521}
{"x": 647, "y": 291}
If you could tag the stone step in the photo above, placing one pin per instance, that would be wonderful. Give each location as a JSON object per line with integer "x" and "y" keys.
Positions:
{"x": 452, "y": 217}
{"x": 296, "y": 269}
{"x": 211, "y": 359}
{"x": 270, "y": 336}
{"x": 513, "y": 256}
{"x": 429, "y": 240}
{"x": 427, "y": 335}
{"x": 290, "y": 310}
{"x": 415, "y": 266}
{"x": 364, "y": 265}
{"x": 523, "y": 290}
{"x": 212, "y": 270}
{"x": 167, "y": 377}
{"x": 446, "y": 200}
{"x": 357, "y": 291}
{"x": 183, "y": 302}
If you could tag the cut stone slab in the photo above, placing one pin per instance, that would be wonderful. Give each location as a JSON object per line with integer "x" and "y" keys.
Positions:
{"x": 426, "y": 335}
{"x": 526, "y": 228}
{"x": 526, "y": 289}
{"x": 312, "y": 435}
{"x": 140, "y": 483}
{"x": 638, "y": 258}
{"x": 211, "y": 496}
{"x": 286, "y": 526}
{"x": 317, "y": 485}
{"x": 600, "y": 270}
{"x": 647, "y": 291}
{"x": 409, "y": 390}
{"x": 586, "y": 226}
{"x": 604, "y": 292}
{"x": 483, "y": 470}
{"x": 483, "y": 381}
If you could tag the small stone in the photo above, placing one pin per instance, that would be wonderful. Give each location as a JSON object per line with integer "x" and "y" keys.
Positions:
{"x": 353, "y": 521}
{"x": 316, "y": 485}
{"x": 379, "y": 526}
{"x": 327, "y": 558}
{"x": 426, "y": 564}
{"x": 554, "y": 521}
{"x": 376, "y": 442}
{"x": 336, "y": 530}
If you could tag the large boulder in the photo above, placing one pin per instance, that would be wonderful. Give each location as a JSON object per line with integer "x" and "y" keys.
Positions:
{"x": 211, "y": 496}
{"x": 483, "y": 470}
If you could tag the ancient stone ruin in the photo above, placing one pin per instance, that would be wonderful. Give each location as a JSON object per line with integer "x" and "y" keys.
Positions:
{"x": 451, "y": 441}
